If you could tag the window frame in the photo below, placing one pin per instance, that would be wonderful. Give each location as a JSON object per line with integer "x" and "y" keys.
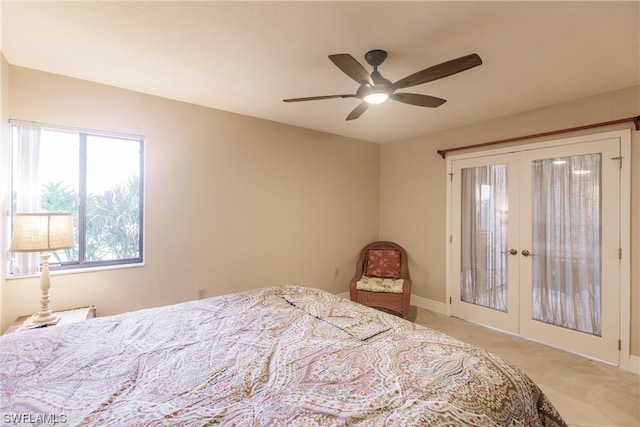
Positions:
{"x": 83, "y": 136}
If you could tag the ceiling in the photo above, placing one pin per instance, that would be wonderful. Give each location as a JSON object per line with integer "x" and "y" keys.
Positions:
{"x": 246, "y": 57}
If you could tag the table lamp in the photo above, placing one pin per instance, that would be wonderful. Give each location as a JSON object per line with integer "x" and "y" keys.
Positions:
{"x": 43, "y": 232}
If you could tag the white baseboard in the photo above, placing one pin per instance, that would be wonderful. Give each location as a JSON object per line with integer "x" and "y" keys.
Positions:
{"x": 429, "y": 304}
{"x": 344, "y": 295}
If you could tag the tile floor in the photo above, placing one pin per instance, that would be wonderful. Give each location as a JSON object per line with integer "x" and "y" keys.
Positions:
{"x": 585, "y": 392}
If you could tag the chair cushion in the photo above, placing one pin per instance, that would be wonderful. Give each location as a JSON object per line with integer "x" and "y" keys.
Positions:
{"x": 378, "y": 284}
{"x": 383, "y": 263}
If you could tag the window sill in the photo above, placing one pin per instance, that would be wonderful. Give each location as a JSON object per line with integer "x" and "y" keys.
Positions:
{"x": 79, "y": 270}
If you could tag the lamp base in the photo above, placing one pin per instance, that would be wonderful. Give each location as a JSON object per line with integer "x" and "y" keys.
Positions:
{"x": 45, "y": 316}
{"x": 41, "y": 319}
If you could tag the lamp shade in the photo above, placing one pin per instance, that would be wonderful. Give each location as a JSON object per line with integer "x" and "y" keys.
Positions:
{"x": 42, "y": 232}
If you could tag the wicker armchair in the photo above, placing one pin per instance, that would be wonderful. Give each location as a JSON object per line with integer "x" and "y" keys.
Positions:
{"x": 382, "y": 278}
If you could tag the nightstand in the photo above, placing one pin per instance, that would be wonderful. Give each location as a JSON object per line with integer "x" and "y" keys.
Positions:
{"x": 66, "y": 316}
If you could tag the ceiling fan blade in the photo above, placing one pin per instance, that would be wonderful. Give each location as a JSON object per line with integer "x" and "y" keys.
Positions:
{"x": 352, "y": 68}
{"x": 358, "y": 111}
{"x": 417, "y": 99}
{"x": 439, "y": 71}
{"x": 315, "y": 98}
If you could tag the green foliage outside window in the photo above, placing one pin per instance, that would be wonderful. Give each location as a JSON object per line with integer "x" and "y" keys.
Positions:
{"x": 112, "y": 230}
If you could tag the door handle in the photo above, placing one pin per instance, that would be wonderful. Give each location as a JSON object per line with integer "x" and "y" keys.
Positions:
{"x": 511, "y": 252}
{"x": 526, "y": 253}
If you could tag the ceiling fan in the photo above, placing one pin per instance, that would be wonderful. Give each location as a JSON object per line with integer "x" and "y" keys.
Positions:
{"x": 375, "y": 89}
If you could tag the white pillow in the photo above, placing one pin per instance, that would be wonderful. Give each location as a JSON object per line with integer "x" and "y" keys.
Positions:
{"x": 378, "y": 284}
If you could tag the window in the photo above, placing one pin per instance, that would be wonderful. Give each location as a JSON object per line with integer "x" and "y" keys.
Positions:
{"x": 95, "y": 175}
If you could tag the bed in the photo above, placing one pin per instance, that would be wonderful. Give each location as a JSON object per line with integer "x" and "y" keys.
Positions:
{"x": 278, "y": 356}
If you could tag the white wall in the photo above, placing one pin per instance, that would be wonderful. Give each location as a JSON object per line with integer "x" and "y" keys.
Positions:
{"x": 412, "y": 190}
{"x": 231, "y": 202}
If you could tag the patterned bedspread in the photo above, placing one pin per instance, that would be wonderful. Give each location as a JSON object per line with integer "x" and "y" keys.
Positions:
{"x": 282, "y": 356}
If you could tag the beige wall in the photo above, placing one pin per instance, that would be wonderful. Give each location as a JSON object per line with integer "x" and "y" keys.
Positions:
{"x": 412, "y": 190}
{"x": 4, "y": 166}
{"x": 231, "y": 202}
{"x": 234, "y": 203}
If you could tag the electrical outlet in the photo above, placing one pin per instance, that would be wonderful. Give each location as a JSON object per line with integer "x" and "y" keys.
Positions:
{"x": 202, "y": 292}
{"x": 336, "y": 272}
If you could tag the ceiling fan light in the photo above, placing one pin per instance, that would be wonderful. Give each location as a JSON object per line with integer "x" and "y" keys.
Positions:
{"x": 376, "y": 98}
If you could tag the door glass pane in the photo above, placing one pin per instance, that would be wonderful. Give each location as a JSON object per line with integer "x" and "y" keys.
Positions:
{"x": 483, "y": 269}
{"x": 566, "y": 242}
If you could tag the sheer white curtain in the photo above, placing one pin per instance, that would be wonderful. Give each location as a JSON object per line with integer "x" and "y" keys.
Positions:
{"x": 26, "y": 185}
{"x": 566, "y": 242}
{"x": 483, "y": 275}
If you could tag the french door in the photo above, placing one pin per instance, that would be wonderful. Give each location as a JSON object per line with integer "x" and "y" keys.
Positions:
{"x": 535, "y": 244}
{"x": 485, "y": 235}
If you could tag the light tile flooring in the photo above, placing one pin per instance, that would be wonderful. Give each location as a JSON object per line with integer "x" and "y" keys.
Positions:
{"x": 585, "y": 392}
